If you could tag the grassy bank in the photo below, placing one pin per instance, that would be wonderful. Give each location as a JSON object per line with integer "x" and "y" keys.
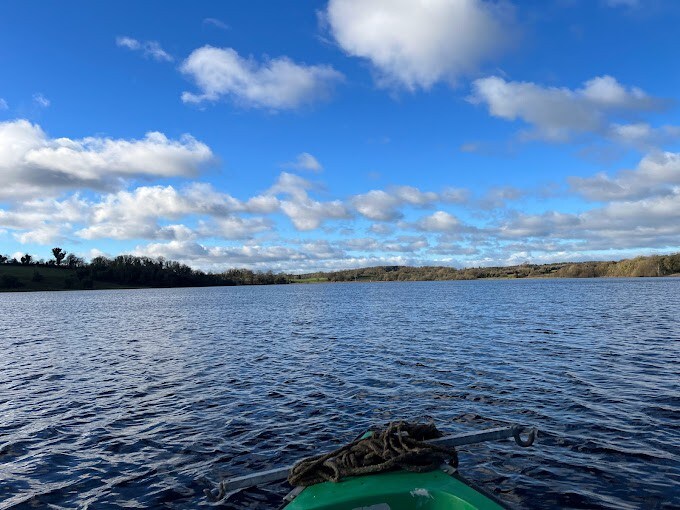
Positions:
{"x": 15, "y": 278}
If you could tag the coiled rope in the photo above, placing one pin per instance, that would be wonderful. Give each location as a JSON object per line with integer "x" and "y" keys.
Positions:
{"x": 400, "y": 445}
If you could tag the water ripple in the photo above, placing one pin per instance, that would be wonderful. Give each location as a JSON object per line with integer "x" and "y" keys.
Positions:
{"x": 145, "y": 398}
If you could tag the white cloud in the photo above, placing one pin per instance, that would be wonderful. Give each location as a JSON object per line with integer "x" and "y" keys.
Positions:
{"x": 150, "y": 49}
{"x": 558, "y": 114}
{"x": 413, "y": 196}
{"x": 44, "y": 234}
{"x": 41, "y": 100}
{"x": 182, "y": 251}
{"x": 128, "y": 42}
{"x": 440, "y": 221}
{"x": 208, "y": 228}
{"x": 235, "y": 227}
{"x": 314, "y": 256}
{"x": 386, "y": 205}
{"x": 417, "y": 43}
{"x": 305, "y": 161}
{"x": 401, "y": 244}
{"x": 222, "y": 257}
{"x": 642, "y": 135}
{"x": 43, "y": 221}
{"x": 276, "y": 84}
{"x": 216, "y": 23}
{"x": 32, "y": 164}
{"x": 656, "y": 174}
{"x": 652, "y": 222}
{"x": 136, "y": 214}
{"x": 538, "y": 225}
{"x": 303, "y": 211}
{"x": 310, "y": 214}
{"x": 291, "y": 184}
{"x": 377, "y": 205}
{"x": 3, "y": 104}
{"x": 139, "y": 214}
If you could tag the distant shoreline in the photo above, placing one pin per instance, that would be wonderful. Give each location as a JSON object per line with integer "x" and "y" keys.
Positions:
{"x": 495, "y": 278}
{"x": 129, "y": 272}
{"x": 347, "y": 282}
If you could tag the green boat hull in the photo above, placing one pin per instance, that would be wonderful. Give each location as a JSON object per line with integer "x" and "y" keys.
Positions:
{"x": 400, "y": 490}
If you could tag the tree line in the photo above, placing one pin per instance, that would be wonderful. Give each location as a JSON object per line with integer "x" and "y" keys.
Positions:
{"x": 59, "y": 255}
{"x": 133, "y": 271}
{"x": 655, "y": 265}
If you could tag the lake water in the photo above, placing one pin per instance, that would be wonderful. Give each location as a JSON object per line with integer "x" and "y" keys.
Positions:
{"x": 144, "y": 398}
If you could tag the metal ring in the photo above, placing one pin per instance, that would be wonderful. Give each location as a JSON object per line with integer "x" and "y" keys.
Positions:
{"x": 529, "y": 440}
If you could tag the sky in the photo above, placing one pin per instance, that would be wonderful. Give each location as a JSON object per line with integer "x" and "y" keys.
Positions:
{"x": 303, "y": 136}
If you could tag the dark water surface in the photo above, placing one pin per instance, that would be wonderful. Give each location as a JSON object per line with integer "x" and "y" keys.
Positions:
{"x": 144, "y": 398}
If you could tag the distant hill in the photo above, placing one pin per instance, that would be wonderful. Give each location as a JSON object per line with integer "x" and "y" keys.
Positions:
{"x": 656, "y": 265}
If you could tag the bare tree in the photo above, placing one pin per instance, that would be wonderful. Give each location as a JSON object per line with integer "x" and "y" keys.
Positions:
{"x": 73, "y": 261}
{"x": 59, "y": 255}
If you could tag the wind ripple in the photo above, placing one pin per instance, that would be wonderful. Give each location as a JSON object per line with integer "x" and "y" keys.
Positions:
{"x": 144, "y": 398}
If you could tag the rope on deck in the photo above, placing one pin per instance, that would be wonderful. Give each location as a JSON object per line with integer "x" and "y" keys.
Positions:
{"x": 400, "y": 445}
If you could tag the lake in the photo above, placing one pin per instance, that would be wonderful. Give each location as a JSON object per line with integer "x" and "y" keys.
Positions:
{"x": 144, "y": 398}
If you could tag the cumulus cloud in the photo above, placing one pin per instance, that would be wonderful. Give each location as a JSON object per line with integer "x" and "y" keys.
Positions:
{"x": 147, "y": 212}
{"x": 205, "y": 227}
{"x": 314, "y": 256}
{"x": 305, "y": 161}
{"x": 656, "y": 174}
{"x": 559, "y": 113}
{"x": 276, "y": 84}
{"x": 383, "y": 205}
{"x": 305, "y": 212}
{"x": 221, "y": 256}
{"x": 413, "y": 196}
{"x": 136, "y": 214}
{"x": 627, "y": 224}
{"x": 43, "y": 220}
{"x": 538, "y": 225}
{"x": 401, "y": 244}
{"x": 416, "y": 43}
{"x": 235, "y": 227}
{"x": 32, "y": 164}
{"x": 150, "y": 49}
{"x": 309, "y": 214}
{"x": 440, "y": 221}
{"x": 643, "y": 136}
{"x": 377, "y": 205}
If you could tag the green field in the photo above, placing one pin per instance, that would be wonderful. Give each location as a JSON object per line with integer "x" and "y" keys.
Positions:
{"x": 51, "y": 278}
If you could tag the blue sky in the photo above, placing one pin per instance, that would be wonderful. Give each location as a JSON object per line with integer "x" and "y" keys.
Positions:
{"x": 300, "y": 136}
